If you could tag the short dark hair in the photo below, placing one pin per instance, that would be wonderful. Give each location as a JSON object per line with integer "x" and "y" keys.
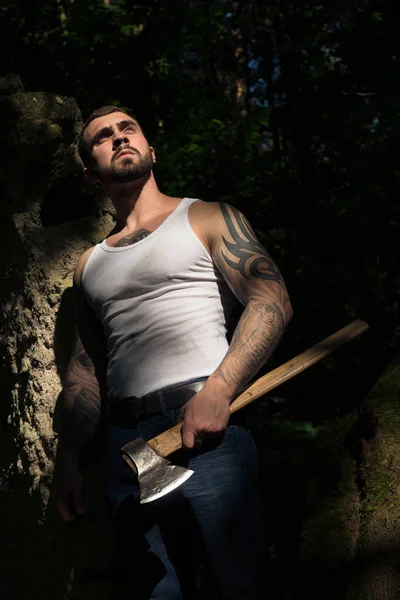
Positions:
{"x": 85, "y": 152}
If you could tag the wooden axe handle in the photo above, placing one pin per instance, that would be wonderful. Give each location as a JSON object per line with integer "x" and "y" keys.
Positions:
{"x": 171, "y": 440}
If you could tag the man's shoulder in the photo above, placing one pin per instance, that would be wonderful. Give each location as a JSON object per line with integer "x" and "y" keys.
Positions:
{"x": 80, "y": 265}
{"x": 204, "y": 208}
{"x": 204, "y": 215}
{"x": 209, "y": 219}
{"x": 211, "y": 210}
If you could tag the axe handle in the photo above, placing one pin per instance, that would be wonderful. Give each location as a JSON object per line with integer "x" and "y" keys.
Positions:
{"x": 171, "y": 440}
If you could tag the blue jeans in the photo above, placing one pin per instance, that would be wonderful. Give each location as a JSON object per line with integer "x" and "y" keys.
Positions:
{"x": 216, "y": 513}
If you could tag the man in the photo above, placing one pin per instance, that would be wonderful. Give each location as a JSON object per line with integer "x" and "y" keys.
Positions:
{"x": 160, "y": 290}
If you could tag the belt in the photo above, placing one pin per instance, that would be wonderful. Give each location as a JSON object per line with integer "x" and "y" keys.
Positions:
{"x": 135, "y": 408}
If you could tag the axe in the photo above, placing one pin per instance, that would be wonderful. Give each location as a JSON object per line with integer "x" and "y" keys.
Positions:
{"x": 158, "y": 477}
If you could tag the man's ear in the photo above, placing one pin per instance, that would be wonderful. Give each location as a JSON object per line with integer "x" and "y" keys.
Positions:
{"x": 90, "y": 176}
{"x": 153, "y": 154}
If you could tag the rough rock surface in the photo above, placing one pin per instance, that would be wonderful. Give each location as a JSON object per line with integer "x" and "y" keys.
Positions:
{"x": 49, "y": 217}
{"x": 376, "y": 565}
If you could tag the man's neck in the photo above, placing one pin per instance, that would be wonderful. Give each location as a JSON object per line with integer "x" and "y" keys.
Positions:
{"x": 136, "y": 201}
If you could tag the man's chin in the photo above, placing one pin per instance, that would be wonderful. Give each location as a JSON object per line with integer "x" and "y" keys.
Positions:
{"x": 124, "y": 176}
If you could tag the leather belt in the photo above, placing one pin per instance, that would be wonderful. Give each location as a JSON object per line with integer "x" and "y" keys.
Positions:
{"x": 135, "y": 408}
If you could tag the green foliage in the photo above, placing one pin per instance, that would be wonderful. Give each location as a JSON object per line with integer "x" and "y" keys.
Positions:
{"x": 289, "y": 111}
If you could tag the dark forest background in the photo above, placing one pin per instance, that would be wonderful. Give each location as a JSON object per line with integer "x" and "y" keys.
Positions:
{"x": 289, "y": 111}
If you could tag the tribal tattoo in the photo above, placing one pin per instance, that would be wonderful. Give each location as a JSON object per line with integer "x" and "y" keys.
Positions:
{"x": 257, "y": 282}
{"x": 132, "y": 238}
{"x": 253, "y": 261}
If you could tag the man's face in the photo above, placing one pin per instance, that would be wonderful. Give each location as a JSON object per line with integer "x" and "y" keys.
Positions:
{"x": 120, "y": 151}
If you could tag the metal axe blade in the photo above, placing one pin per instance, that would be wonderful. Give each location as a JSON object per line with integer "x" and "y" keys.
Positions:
{"x": 156, "y": 475}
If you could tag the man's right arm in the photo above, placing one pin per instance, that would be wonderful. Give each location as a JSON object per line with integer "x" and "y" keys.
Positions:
{"x": 82, "y": 407}
{"x": 83, "y": 390}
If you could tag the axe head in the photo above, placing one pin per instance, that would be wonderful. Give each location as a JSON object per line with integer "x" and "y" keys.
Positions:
{"x": 156, "y": 475}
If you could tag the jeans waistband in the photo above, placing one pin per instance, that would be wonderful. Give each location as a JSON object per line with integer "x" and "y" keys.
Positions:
{"x": 133, "y": 407}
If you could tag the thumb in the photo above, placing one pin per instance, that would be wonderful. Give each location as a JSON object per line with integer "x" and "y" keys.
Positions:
{"x": 188, "y": 437}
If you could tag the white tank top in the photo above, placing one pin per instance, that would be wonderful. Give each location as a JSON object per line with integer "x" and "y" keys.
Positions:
{"x": 163, "y": 305}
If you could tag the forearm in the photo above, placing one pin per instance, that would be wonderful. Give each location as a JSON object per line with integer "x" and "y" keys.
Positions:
{"x": 81, "y": 417}
{"x": 256, "y": 336}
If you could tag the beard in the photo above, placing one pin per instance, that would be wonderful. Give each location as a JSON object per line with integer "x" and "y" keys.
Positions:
{"x": 128, "y": 168}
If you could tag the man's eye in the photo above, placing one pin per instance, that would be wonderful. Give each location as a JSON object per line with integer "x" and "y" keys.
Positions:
{"x": 130, "y": 128}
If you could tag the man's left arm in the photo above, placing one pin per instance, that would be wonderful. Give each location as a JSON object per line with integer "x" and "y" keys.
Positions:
{"x": 257, "y": 282}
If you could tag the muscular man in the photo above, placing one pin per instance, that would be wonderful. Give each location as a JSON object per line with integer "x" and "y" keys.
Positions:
{"x": 160, "y": 290}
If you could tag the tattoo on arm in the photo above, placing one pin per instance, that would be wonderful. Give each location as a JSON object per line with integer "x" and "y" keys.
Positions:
{"x": 257, "y": 282}
{"x": 256, "y": 336}
{"x": 252, "y": 261}
{"x": 82, "y": 400}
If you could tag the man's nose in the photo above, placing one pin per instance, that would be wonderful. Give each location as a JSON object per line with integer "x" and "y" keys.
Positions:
{"x": 119, "y": 139}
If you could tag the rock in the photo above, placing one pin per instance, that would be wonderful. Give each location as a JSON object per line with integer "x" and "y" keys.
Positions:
{"x": 376, "y": 566}
{"x": 330, "y": 526}
{"x": 50, "y": 216}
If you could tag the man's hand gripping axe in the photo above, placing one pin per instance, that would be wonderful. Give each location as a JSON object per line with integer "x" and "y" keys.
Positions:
{"x": 157, "y": 476}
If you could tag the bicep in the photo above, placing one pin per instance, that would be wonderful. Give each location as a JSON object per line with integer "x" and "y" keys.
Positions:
{"x": 84, "y": 383}
{"x": 80, "y": 366}
{"x": 246, "y": 266}
{"x": 88, "y": 362}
